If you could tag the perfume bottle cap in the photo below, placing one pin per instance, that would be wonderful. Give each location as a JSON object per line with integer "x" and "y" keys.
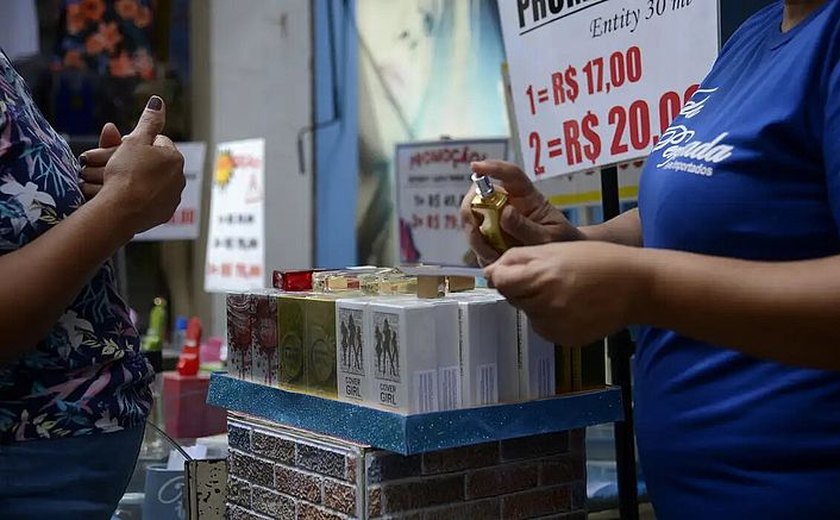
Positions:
{"x": 293, "y": 281}
{"x": 483, "y": 185}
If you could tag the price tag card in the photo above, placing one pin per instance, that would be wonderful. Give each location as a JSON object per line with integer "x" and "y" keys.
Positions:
{"x": 598, "y": 82}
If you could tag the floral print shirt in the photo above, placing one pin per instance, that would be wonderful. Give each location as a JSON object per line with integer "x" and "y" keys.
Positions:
{"x": 87, "y": 376}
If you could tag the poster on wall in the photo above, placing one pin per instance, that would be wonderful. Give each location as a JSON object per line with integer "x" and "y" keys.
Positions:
{"x": 431, "y": 180}
{"x": 597, "y": 83}
{"x": 236, "y": 236}
{"x": 184, "y": 222}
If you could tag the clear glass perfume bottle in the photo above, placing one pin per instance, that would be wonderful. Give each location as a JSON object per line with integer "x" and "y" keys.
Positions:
{"x": 392, "y": 282}
{"x": 346, "y": 280}
{"x": 488, "y": 203}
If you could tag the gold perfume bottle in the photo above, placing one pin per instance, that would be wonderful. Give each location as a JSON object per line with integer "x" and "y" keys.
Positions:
{"x": 489, "y": 203}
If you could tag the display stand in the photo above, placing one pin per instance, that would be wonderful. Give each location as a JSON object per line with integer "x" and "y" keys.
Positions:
{"x": 410, "y": 435}
{"x": 620, "y": 349}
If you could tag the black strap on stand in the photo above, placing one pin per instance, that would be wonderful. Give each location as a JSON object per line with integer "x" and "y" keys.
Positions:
{"x": 620, "y": 349}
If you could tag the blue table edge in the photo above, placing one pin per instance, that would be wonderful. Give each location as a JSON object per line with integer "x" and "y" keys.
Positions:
{"x": 409, "y": 435}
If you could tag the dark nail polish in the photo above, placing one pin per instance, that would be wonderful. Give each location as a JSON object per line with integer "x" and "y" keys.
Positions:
{"x": 82, "y": 160}
{"x": 155, "y": 103}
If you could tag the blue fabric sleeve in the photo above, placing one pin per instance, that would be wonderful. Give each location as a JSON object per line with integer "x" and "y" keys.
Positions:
{"x": 831, "y": 139}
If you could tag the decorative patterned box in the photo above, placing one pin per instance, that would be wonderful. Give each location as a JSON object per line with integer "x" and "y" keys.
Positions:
{"x": 265, "y": 359}
{"x": 320, "y": 345}
{"x": 240, "y": 318}
{"x": 291, "y": 310}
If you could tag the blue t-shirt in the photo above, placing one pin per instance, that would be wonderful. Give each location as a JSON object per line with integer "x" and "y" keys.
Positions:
{"x": 750, "y": 169}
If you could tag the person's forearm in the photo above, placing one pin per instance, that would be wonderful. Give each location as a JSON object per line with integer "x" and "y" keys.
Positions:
{"x": 43, "y": 277}
{"x": 787, "y": 312}
{"x": 625, "y": 229}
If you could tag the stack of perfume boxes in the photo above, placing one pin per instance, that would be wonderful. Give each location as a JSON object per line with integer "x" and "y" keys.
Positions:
{"x": 389, "y": 349}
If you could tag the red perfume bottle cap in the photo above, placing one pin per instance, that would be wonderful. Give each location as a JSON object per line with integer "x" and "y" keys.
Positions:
{"x": 293, "y": 281}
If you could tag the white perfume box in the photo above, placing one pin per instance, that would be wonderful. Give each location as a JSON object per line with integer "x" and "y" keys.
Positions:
{"x": 403, "y": 355}
{"x": 509, "y": 352}
{"x": 536, "y": 362}
{"x": 353, "y": 363}
{"x": 507, "y": 341}
{"x": 479, "y": 350}
{"x": 450, "y": 383}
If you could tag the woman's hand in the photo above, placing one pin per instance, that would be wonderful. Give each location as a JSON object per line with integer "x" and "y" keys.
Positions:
{"x": 528, "y": 220}
{"x": 141, "y": 186}
{"x": 144, "y": 177}
{"x": 93, "y": 161}
{"x": 574, "y": 293}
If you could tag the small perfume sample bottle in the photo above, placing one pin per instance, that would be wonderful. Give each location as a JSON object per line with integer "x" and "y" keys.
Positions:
{"x": 392, "y": 282}
{"x": 345, "y": 280}
{"x": 334, "y": 281}
{"x": 489, "y": 203}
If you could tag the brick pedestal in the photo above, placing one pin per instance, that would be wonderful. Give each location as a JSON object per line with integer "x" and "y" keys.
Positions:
{"x": 282, "y": 473}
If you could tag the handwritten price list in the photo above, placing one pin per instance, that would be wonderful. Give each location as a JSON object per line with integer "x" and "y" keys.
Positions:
{"x": 636, "y": 126}
{"x": 439, "y": 210}
{"x": 432, "y": 179}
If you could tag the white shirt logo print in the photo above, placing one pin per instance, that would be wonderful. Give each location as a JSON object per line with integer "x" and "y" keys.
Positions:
{"x": 678, "y": 142}
{"x": 692, "y": 108}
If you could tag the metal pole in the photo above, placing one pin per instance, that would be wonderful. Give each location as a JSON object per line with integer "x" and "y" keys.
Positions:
{"x": 620, "y": 349}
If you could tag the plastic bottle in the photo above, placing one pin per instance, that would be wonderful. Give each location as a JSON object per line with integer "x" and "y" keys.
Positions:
{"x": 180, "y": 333}
{"x": 190, "y": 360}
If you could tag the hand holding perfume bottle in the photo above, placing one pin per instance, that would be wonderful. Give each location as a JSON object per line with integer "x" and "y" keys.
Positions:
{"x": 488, "y": 203}
{"x": 530, "y": 220}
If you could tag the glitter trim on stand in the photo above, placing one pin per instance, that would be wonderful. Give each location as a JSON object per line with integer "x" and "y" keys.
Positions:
{"x": 413, "y": 434}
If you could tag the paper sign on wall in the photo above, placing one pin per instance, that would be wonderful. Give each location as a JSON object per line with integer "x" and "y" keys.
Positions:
{"x": 236, "y": 238}
{"x": 597, "y": 82}
{"x": 184, "y": 222}
{"x": 431, "y": 180}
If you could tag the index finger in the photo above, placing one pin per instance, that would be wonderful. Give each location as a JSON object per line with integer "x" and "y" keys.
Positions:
{"x": 514, "y": 281}
{"x": 512, "y": 179}
{"x": 96, "y": 157}
{"x": 164, "y": 142}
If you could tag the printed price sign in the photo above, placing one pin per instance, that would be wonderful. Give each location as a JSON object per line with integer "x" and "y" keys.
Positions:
{"x": 236, "y": 238}
{"x": 431, "y": 181}
{"x": 598, "y": 82}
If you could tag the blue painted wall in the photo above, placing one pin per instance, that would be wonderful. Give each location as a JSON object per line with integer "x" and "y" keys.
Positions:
{"x": 336, "y": 145}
